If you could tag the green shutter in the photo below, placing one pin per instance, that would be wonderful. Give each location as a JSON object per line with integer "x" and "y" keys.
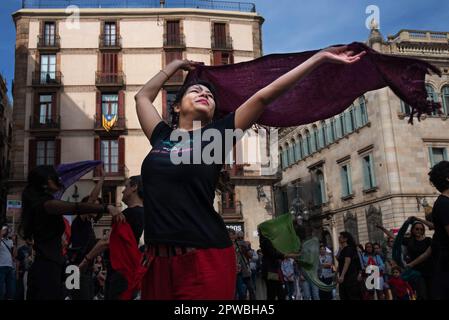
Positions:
{"x": 445, "y": 154}
{"x": 432, "y": 161}
{"x": 373, "y": 173}
{"x": 344, "y": 182}
{"x": 349, "y": 180}
{"x": 366, "y": 174}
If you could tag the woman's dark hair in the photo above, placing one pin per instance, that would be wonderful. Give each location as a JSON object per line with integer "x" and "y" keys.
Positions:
{"x": 349, "y": 239}
{"x": 36, "y": 190}
{"x": 137, "y": 181}
{"x": 86, "y": 198}
{"x": 439, "y": 176}
{"x": 180, "y": 94}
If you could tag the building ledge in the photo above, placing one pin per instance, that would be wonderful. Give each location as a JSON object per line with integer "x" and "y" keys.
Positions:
{"x": 370, "y": 190}
{"x": 348, "y": 197}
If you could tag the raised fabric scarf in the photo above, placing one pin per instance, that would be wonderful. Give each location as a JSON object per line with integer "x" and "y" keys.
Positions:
{"x": 72, "y": 172}
{"x": 281, "y": 233}
{"x": 323, "y": 93}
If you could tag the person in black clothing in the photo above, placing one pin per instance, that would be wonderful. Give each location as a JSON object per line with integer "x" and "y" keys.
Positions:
{"x": 115, "y": 283}
{"x": 179, "y": 198}
{"x": 349, "y": 268}
{"x": 439, "y": 176}
{"x": 42, "y": 221}
{"x": 417, "y": 245}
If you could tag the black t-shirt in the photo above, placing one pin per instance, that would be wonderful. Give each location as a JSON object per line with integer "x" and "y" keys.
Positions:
{"x": 415, "y": 248}
{"x": 179, "y": 198}
{"x": 354, "y": 266}
{"x": 47, "y": 229}
{"x": 135, "y": 217}
{"x": 440, "y": 243}
{"x": 83, "y": 238}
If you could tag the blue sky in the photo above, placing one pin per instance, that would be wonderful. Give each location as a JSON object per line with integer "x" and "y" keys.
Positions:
{"x": 296, "y": 25}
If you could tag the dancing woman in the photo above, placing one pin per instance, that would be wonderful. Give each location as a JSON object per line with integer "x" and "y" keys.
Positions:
{"x": 189, "y": 253}
{"x": 42, "y": 221}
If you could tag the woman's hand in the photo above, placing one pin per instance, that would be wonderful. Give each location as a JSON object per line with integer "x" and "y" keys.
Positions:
{"x": 340, "y": 279}
{"x": 187, "y": 65}
{"x": 117, "y": 215}
{"x": 340, "y": 55}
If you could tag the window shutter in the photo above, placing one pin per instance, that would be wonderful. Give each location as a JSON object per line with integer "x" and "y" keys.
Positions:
{"x": 432, "y": 161}
{"x": 349, "y": 180}
{"x": 445, "y": 154}
{"x": 217, "y": 58}
{"x": 121, "y": 154}
{"x": 31, "y": 154}
{"x": 366, "y": 174}
{"x": 121, "y": 106}
{"x": 344, "y": 183}
{"x": 98, "y": 109}
{"x": 373, "y": 173}
{"x": 57, "y": 152}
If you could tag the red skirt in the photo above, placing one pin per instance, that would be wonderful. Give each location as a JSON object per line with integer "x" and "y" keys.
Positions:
{"x": 202, "y": 274}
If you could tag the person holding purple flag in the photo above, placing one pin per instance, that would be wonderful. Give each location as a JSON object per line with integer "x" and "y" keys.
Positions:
{"x": 42, "y": 221}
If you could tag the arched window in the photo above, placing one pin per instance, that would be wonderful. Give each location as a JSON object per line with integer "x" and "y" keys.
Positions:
{"x": 300, "y": 147}
{"x": 445, "y": 98}
{"x": 306, "y": 143}
{"x": 291, "y": 152}
{"x": 363, "y": 110}
{"x": 331, "y": 131}
{"x": 314, "y": 140}
{"x": 432, "y": 95}
{"x": 322, "y": 141}
{"x": 287, "y": 154}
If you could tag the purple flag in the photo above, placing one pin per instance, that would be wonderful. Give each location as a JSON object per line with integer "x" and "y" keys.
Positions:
{"x": 323, "y": 93}
{"x": 72, "y": 172}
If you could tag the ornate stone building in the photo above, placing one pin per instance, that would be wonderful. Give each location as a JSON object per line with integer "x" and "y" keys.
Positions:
{"x": 368, "y": 166}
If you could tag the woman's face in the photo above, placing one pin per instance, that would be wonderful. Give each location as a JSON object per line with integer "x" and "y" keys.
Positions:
{"x": 418, "y": 230}
{"x": 53, "y": 186}
{"x": 377, "y": 249}
{"x": 368, "y": 248}
{"x": 341, "y": 239}
{"x": 322, "y": 251}
{"x": 199, "y": 102}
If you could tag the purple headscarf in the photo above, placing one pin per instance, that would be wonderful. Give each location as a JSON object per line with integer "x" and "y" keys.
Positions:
{"x": 323, "y": 93}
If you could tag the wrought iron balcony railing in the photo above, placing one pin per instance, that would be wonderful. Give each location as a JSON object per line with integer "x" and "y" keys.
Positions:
{"x": 48, "y": 42}
{"x": 174, "y": 41}
{"x": 109, "y": 78}
{"x": 38, "y": 123}
{"x": 221, "y": 43}
{"x": 46, "y": 78}
{"x": 110, "y": 41}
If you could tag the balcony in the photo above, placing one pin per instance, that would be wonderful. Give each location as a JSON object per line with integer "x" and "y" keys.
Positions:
{"x": 119, "y": 126}
{"x": 47, "y": 124}
{"x": 47, "y": 79}
{"x": 117, "y": 172}
{"x": 108, "y": 79}
{"x": 239, "y": 176}
{"x": 49, "y": 43}
{"x": 174, "y": 41}
{"x": 196, "y": 4}
{"x": 108, "y": 42}
{"x": 221, "y": 43}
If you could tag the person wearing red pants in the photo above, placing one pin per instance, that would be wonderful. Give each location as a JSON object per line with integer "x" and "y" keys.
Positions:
{"x": 189, "y": 253}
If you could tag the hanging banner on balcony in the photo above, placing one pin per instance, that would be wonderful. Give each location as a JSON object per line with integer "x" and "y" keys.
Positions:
{"x": 109, "y": 121}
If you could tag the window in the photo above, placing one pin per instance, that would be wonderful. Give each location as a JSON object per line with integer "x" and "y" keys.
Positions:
{"x": 49, "y": 34}
{"x": 405, "y": 108}
{"x": 363, "y": 111}
{"x": 170, "y": 97}
{"x": 346, "y": 180}
{"x": 298, "y": 149}
{"x": 445, "y": 98}
{"x": 48, "y": 68}
{"x": 313, "y": 140}
{"x": 110, "y": 34}
{"x": 291, "y": 153}
{"x": 295, "y": 150}
{"x": 331, "y": 131}
{"x": 437, "y": 155}
{"x": 108, "y": 194}
{"x": 349, "y": 120}
{"x": 110, "y": 155}
{"x": 284, "y": 159}
{"x": 109, "y": 63}
{"x": 228, "y": 199}
{"x": 432, "y": 95}
{"x": 109, "y": 104}
{"x": 320, "y": 189}
{"x": 220, "y": 35}
{"x": 301, "y": 147}
{"x": 45, "y": 152}
{"x": 173, "y": 33}
{"x": 322, "y": 139}
{"x": 339, "y": 127}
{"x": 45, "y": 108}
{"x": 307, "y": 144}
{"x": 369, "y": 179}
